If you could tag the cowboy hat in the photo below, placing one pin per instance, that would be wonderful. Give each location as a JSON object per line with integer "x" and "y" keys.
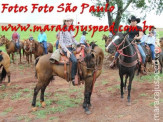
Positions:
{"x": 133, "y": 18}
{"x": 154, "y": 27}
{"x": 84, "y": 32}
{"x": 68, "y": 17}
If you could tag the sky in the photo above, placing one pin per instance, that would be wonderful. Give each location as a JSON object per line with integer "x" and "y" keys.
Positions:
{"x": 56, "y": 18}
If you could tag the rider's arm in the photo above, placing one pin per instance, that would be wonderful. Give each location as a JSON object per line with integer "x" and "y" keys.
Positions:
{"x": 61, "y": 43}
{"x": 140, "y": 35}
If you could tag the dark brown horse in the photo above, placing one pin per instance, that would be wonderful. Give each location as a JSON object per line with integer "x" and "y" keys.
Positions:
{"x": 5, "y": 65}
{"x": 28, "y": 50}
{"x": 91, "y": 67}
{"x": 38, "y": 50}
{"x": 10, "y": 47}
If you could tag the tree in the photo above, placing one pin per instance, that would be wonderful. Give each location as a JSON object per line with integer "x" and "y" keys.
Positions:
{"x": 121, "y": 14}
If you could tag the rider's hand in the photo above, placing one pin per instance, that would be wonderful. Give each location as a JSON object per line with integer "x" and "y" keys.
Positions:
{"x": 83, "y": 46}
{"x": 68, "y": 53}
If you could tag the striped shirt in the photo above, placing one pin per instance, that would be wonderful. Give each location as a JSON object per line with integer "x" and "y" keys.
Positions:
{"x": 67, "y": 39}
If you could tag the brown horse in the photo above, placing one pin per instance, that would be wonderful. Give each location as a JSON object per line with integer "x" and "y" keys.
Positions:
{"x": 10, "y": 47}
{"x": 107, "y": 39}
{"x": 91, "y": 67}
{"x": 5, "y": 64}
{"x": 28, "y": 50}
{"x": 38, "y": 50}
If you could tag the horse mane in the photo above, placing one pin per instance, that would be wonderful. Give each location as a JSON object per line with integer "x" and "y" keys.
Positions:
{"x": 93, "y": 45}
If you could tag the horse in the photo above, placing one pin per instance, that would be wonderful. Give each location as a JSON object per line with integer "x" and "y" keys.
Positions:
{"x": 5, "y": 65}
{"x": 107, "y": 39}
{"x": 127, "y": 61}
{"x": 38, "y": 50}
{"x": 161, "y": 55}
{"x": 28, "y": 50}
{"x": 90, "y": 66}
{"x": 10, "y": 47}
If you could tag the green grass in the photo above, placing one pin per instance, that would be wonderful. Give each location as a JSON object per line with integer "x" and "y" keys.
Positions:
{"x": 104, "y": 82}
{"x": 3, "y": 95}
{"x": 16, "y": 96}
{"x": 143, "y": 95}
{"x": 6, "y": 111}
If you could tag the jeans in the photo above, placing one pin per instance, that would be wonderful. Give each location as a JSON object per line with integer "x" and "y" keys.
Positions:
{"x": 45, "y": 46}
{"x": 152, "y": 47}
{"x": 57, "y": 43}
{"x": 74, "y": 62}
{"x": 140, "y": 50}
{"x": 17, "y": 44}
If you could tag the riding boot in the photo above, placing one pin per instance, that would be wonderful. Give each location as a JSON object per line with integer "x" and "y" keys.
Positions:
{"x": 112, "y": 65}
{"x": 143, "y": 72}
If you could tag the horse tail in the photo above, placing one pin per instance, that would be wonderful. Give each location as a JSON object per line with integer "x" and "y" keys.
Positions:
{"x": 3, "y": 75}
{"x": 36, "y": 61}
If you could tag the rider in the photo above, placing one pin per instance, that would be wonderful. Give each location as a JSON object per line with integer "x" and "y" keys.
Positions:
{"x": 42, "y": 38}
{"x": 154, "y": 31}
{"x": 16, "y": 38}
{"x": 31, "y": 38}
{"x": 66, "y": 41}
{"x": 136, "y": 35}
{"x": 151, "y": 43}
{"x": 57, "y": 42}
{"x": 83, "y": 39}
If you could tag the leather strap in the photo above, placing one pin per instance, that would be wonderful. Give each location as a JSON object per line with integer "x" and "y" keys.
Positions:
{"x": 128, "y": 64}
{"x": 65, "y": 71}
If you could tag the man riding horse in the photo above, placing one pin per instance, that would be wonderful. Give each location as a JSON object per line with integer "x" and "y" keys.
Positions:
{"x": 16, "y": 39}
{"x": 134, "y": 34}
{"x": 42, "y": 38}
{"x": 66, "y": 41}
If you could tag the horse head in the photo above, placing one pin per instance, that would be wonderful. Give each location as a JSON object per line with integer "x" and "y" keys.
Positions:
{"x": 3, "y": 40}
{"x": 90, "y": 57}
{"x": 115, "y": 43}
{"x": 33, "y": 45}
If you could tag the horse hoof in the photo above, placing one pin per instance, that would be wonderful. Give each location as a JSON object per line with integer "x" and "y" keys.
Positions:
{"x": 129, "y": 103}
{"x": 34, "y": 109}
{"x": 88, "y": 112}
{"x": 8, "y": 84}
{"x": 43, "y": 104}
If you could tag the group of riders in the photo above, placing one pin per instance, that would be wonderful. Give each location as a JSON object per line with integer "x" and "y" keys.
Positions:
{"x": 66, "y": 41}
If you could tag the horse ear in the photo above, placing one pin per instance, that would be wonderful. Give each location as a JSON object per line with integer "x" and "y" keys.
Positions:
{"x": 3, "y": 36}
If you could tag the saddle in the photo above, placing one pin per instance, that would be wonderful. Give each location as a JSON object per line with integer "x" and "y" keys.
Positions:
{"x": 79, "y": 54}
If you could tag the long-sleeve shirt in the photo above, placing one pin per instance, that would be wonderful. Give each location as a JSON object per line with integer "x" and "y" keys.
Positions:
{"x": 67, "y": 39}
{"x": 15, "y": 36}
{"x": 42, "y": 37}
{"x": 82, "y": 39}
{"x": 144, "y": 38}
{"x": 151, "y": 40}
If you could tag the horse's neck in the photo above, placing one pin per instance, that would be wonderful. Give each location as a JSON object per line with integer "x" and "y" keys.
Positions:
{"x": 130, "y": 51}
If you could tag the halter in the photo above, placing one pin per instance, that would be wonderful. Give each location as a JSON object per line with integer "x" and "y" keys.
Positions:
{"x": 120, "y": 51}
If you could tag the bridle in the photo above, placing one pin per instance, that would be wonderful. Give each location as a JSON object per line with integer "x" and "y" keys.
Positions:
{"x": 120, "y": 51}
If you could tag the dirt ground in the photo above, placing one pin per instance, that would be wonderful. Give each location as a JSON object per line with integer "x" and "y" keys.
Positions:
{"x": 64, "y": 101}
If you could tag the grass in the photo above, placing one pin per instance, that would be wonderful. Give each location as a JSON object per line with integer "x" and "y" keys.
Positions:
{"x": 6, "y": 111}
{"x": 104, "y": 82}
{"x": 143, "y": 95}
{"x": 16, "y": 96}
{"x": 3, "y": 95}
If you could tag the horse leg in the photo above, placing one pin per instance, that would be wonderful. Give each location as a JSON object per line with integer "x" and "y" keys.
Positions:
{"x": 125, "y": 83}
{"x": 20, "y": 55}
{"x": 129, "y": 89}
{"x": 42, "y": 96}
{"x": 87, "y": 95}
{"x": 121, "y": 77}
{"x": 31, "y": 58}
{"x": 36, "y": 90}
{"x": 13, "y": 58}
